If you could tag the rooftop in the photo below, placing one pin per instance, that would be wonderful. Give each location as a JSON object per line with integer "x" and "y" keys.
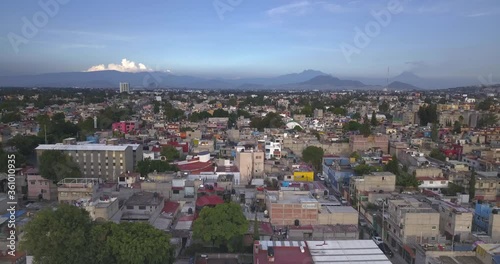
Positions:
{"x": 144, "y": 198}
{"x": 347, "y": 251}
{"x": 85, "y": 147}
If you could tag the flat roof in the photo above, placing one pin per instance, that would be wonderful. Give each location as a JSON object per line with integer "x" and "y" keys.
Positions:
{"x": 346, "y": 251}
{"x": 86, "y": 147}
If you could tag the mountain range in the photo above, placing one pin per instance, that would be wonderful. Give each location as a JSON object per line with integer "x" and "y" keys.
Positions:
{"x": 308, "y": 79}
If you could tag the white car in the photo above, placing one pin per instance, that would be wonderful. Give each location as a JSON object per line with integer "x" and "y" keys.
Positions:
{"x": 377, "y": 240}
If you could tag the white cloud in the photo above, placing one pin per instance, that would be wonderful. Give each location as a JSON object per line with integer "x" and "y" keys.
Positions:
{"x": 304, "y": 7}
{"x": 295, "y": 8}
{"x": 125, "y": 66}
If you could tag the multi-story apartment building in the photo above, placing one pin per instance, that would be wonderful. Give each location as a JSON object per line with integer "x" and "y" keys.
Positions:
{"x": 125, "y": 126}
{"x": 487, "y": 185}
{"x": 74, "y": 190}
{"x": 455, "y": 220}
{"x": 104, "y": 161}
{"x": 360, "y": 186}
{"x": 39, "y": 187}
{"x": 272, "y": 149}
{"x": 362, "y": 143}
{"x": 411, "y": 221}
{"x": 250, "y": 163}
{"x": 292, "y": 208}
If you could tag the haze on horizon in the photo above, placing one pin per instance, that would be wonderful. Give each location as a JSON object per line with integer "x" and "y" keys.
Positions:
{"x": 258, "y": 38}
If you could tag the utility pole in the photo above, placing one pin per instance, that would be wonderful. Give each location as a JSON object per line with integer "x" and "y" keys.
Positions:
{"x": 383, "y": 218}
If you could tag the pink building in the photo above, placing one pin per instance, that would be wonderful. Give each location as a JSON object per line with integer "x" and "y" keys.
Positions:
{"x": 39, "y": 187}
{"x": 125, "y": 126}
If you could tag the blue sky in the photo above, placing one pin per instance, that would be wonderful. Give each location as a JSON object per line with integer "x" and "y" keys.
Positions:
{"x": 246, "y": 38}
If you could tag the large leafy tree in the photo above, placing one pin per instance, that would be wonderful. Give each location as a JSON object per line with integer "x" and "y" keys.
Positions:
{"x": 170, "y": 153}
{"x": 427, "y": 114}
{"x": 55, "y": 165}
{"x": 67, "y": 235}
{"x": 221, "y": 225}
{"x": 59, "y": 237}
{"x": 147, "y": 166}
{"x": 314, "y": 156}
{"x": 437, "y": 154}
{"x": 130, "y": 243}
{"x": 393, "y": 165}
{"x": 25, "y": 144}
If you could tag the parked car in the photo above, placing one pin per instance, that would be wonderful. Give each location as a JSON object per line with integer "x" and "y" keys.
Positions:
{"x": 377, "y": 240}
{"x": 362, "y": 222}
{"x": 386, "y": 250}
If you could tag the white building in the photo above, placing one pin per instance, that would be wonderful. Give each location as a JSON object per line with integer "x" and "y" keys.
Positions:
{"x": 124, "y": 87}
{"x": 271, "y": 150}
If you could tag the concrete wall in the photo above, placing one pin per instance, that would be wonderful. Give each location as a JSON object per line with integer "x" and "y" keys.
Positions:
{"x": 425, "y": 225}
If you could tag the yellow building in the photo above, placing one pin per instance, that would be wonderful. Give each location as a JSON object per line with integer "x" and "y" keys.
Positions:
{"x": 303, "y": 176}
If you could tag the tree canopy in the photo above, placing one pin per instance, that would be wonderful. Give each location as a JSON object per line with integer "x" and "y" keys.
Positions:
{"x": 437, "y": 154}
{"x": 314, "y": 156}
{"x": 374, "y": 121}
{"x": 221, "y": 225}
{"x": 427, "y": 114}
{"x": 147, "y": 166}
{"x": 55, "y": 165}
{"x": 271, "y": 120}
{"x": 67, "y": 235}
{"x": 170, "y": 152}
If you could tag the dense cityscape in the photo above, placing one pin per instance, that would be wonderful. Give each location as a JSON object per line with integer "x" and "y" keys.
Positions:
{"x": 157, "y": 176}
{"x": 250, "y": 132}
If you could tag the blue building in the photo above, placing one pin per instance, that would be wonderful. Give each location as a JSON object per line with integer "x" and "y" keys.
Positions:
{"x": 337, "y": 171}
{"x": 482, "y": 214}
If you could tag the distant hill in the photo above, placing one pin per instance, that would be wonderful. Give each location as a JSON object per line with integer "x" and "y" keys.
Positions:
{"x": 402, "y": 86}
{"x": 332, "y": 81}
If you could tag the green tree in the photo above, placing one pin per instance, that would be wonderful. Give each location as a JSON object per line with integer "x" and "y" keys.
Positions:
{"x": 374, "y": 121}
{"x": 355, "y": 155}
{"x": 437, "y": 154}
{"x": 130, "y": 243}
{"x": 487, "y": 120}
{"x": 55, "y": 165}
{"x": 11, "y": 117}
{"x": 170, "y": 152}
{"x": 25, "y": 144}
{"x": 427, "y": 114}
{"x": 232, "y": 102}
{"x": 363, "y": 169}
{"x": 314, "y": 156}
{"x": 59, "y": 237}
{"x": 352, "y": 126}
{"x": 384, "y": 107}
{"x": 434, "y": 132}
{"x": 453, "y": 189}
{"x": 486, "y": 104}
{"x": 365, "y": 130}
{"x": 297, "y": 128}
{"x": 338, "y": 111}
{"x": 356, "y": 115}
{"x": 220, "y": 225}
{"x": 147, "y": 166}
{"x": 457, "y": 127}
{"x": 256, "y": 224}
{"x": 472, "y": 186}
{"x": 393, "y": 166}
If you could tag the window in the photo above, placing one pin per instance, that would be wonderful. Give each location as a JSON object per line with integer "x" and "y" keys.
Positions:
{"x": 33, "y": 182}
{"x": 176, "y": 191}
{"x": 130, "y": 207}
{"x": 433, "y": 227}
{"x": 433, "y": 238}
{"x": 383, "y": 178}
{"x": 142, "y": 207}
